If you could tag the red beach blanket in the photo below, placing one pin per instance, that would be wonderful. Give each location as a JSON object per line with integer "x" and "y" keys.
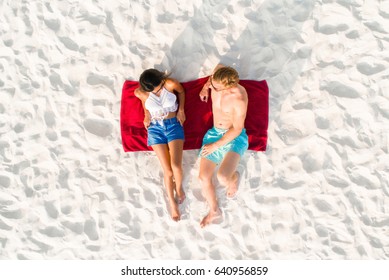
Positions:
{"x": 198, "y": 116}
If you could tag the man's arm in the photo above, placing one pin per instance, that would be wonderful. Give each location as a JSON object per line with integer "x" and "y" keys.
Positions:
{"x": 204, "y": 93}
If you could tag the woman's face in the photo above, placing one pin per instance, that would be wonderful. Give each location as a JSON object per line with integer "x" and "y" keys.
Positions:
{"x": 158, "y": 88}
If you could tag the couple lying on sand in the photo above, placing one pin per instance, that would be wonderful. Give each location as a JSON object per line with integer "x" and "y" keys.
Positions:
{"x": 223, "y": 144}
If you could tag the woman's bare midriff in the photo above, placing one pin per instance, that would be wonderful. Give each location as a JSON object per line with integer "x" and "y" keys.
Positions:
{"x": 171, "y": 115}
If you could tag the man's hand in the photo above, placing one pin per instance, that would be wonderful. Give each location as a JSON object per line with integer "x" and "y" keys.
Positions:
{"x": 204, "y": 93}
{"x": 208, "y": 149}
{"x": 181, "y": 117}
{"x": 146, "y": 121}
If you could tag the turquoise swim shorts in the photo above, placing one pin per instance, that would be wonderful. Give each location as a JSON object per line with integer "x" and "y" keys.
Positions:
{"x": 239, "y": 145}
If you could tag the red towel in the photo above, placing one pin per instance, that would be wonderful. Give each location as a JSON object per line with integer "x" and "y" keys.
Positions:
{"x": 198, "y": 116}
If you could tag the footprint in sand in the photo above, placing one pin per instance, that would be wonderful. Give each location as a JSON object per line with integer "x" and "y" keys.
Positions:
{"x": 53, "y": 231}
{"x": 99, "y": 127}
{"x": 90, "y": 229}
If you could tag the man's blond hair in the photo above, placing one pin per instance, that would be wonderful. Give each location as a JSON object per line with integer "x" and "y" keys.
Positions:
{"x": 227, "y": 76}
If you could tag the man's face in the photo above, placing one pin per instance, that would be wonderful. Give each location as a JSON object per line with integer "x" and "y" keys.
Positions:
{"x": 217, "y": 86}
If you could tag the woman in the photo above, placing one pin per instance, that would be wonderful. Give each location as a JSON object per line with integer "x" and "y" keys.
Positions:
{"x": 164, "y": 120}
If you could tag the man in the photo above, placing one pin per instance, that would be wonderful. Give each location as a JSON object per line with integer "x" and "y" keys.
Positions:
{"x": 227, "y": 141}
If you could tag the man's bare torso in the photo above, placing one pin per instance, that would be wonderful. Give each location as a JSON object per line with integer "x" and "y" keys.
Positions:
{"x": 223, "y": 105}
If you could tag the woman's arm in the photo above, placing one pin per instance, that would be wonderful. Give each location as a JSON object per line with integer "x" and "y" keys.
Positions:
{"x": 142, "y": 96}
{"x": 175, "y": 86}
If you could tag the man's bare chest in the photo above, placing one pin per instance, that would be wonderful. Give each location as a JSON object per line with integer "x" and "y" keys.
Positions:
{"x": 222, "y": 105}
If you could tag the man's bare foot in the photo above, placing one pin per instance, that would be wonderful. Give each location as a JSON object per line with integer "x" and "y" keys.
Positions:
{"x": 175, "y": 212}
{"x": 233, "y": 186}
{"x": 212, "y": 217}
{"x": 180, "y": 196}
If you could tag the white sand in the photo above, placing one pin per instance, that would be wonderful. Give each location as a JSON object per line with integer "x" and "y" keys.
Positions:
{"x": 68, "y": 191}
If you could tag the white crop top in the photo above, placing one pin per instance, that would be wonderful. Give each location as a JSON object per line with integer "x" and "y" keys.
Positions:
{"x": 160, "y": 106}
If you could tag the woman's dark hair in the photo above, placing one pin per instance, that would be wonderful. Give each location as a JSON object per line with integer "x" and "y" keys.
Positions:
{"x": 151, "y": 78}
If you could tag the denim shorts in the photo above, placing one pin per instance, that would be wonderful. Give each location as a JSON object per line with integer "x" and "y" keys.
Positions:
{"x": 239, "y": 145}
{"x": 165, "y": 131}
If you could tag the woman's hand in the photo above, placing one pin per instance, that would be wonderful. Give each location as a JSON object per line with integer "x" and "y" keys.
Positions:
{"x": 181, "y": 117}
{"x": 146, "y": 121}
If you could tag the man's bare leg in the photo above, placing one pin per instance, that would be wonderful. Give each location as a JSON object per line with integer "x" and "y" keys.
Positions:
{"x": 207, "y": 168}
{"x": 232, "y": 187}
{"x": 227, "y": 174}
{"x": 175, "y": 150}
{"x": 162, "y": 152}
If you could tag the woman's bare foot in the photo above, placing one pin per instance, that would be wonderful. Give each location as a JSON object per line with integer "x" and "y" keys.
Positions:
{"x": 180, "y": 196}
{"x": 212, "y": 217}
{"x": 175, "y": 212}
{"x": 233, "y": 186}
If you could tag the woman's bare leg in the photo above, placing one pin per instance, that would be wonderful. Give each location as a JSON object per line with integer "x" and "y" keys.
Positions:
{"x": 175, "y": 150}
{"x": 163, "y": 155}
